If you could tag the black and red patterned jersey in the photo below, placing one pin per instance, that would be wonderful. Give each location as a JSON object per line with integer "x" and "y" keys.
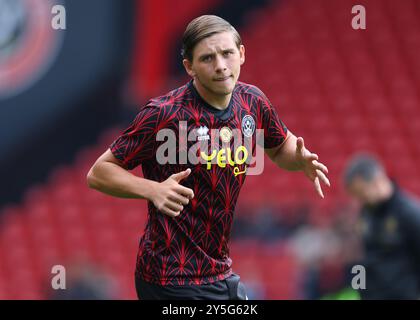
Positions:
{"x": 193, "y": 248}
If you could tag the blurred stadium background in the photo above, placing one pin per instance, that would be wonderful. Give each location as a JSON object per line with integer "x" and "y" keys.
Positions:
{"x": 65, "y": 94}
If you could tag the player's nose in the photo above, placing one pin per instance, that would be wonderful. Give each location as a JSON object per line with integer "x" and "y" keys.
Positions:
{"x": 220, "y": 64}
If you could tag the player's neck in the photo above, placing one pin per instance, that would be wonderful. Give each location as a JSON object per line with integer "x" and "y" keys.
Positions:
{"x": 220, "y": 102}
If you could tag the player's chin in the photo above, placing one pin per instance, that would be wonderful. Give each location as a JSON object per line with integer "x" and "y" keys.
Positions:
{"x": 224, "y": 88}
{"x": 224, "y": 92}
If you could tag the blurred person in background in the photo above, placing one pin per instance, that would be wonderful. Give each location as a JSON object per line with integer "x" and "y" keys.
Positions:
{"x": 184, "y": 252}
{"x": 390, "y": 231}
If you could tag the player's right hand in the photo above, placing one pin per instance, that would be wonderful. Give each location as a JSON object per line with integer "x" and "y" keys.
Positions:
{"x": 170, "y": 196}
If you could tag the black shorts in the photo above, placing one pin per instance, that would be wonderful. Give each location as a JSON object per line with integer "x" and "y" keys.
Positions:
{"x": 228, "y": 289}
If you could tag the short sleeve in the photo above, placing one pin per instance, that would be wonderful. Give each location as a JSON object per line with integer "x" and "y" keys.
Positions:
{"x": 275, "y": 131}
{"x": 137, "y": 143}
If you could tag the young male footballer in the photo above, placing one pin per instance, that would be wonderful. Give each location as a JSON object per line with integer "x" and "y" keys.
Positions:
{"x": 194, "y": 167}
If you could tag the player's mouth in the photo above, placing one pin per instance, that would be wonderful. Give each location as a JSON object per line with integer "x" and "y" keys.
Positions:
{"x": 222, "y": 79}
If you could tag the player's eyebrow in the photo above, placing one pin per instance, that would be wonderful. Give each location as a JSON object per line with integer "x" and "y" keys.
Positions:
{"x": 228, "y": 50}
{"x": 205, "y": 55}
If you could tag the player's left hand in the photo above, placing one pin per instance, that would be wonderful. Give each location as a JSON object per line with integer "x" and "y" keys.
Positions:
{"x": 309, "y": 164}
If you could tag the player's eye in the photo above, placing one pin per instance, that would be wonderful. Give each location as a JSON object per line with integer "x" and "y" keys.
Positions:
{"x": 206, "y": 59}
{"x": 227, "y": 53}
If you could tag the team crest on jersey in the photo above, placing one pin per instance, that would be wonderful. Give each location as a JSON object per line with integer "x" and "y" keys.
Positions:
{"x": 202, "y": 133}
{"x": 248, "y": 126}
{"x": 225, "y": 134}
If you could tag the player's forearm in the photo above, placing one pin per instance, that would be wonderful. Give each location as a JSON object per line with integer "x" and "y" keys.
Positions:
{"x": 285, "y": 157}
{"x": 113, "y": 180}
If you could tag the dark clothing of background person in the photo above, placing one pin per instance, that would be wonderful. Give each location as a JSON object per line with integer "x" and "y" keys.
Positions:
{"x": 391, "y": 240}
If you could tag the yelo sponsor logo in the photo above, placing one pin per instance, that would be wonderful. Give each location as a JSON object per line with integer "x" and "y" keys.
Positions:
{"x": 224, "y": 157}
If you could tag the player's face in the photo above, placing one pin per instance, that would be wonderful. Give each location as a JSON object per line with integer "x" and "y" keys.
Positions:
{"x": 216, "y": 64}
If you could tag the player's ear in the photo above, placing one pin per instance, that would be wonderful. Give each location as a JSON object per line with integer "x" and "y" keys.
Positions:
{"x": 188, "y": 67}
{"x": 242, "y": 54}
